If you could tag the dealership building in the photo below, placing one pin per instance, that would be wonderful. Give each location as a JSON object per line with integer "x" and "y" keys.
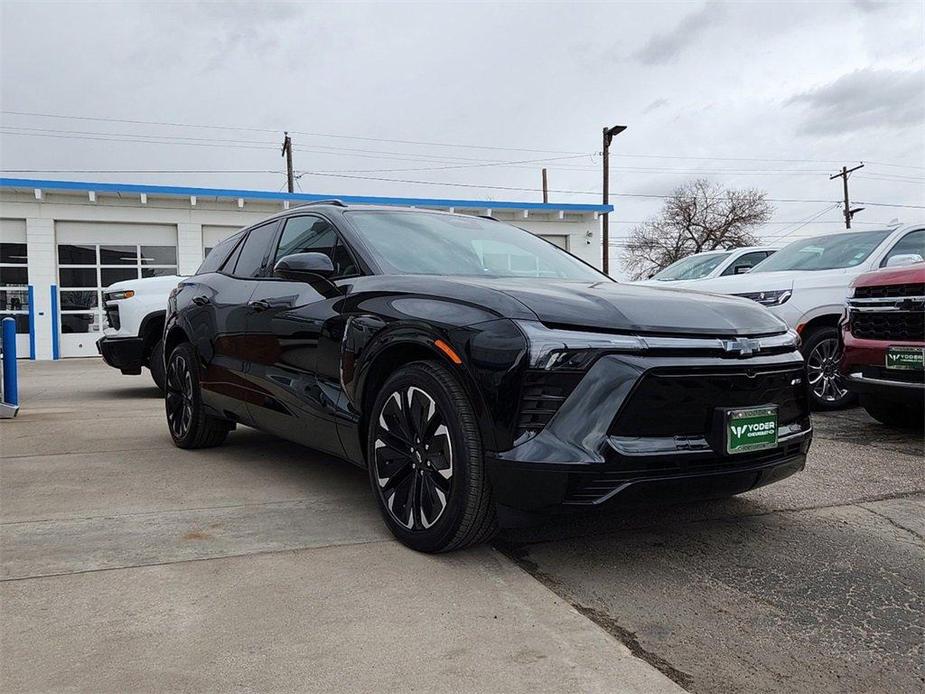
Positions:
{"x": 62, "y": 242}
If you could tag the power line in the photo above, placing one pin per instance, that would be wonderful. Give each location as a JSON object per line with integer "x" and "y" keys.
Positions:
{"x": 425, "y": 142}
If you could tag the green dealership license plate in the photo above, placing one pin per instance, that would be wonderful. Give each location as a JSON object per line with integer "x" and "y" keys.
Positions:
{"x": 751, "y": 429}
{"x": 907, "y": 358}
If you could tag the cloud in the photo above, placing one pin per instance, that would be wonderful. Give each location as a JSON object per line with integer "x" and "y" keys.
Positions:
{"x": 868, "y": 98}
{"x": 665, "y": 47}
{"x": 655, "y": 105}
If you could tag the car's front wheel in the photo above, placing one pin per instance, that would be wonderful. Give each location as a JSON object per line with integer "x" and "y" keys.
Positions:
{"x": 426, "y": 462}
{"x": 156, "y": 365}
{"x": 822, "y": 352}
{"x": 190, "y": 426}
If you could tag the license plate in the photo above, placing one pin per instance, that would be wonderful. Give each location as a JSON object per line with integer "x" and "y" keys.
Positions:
{"x": 906, "y": 358}
{"x": 751, "y": 429}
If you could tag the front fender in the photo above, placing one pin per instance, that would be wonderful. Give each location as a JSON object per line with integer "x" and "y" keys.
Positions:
{"x": 492, "y": 353}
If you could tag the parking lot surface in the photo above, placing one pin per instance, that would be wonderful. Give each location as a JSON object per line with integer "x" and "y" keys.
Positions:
{"x": 130, "y": 565}
{"x": 814, "y": 584}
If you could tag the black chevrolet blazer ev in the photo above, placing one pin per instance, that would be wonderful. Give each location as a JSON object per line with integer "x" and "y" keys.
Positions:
{"x": 477, "y": 371}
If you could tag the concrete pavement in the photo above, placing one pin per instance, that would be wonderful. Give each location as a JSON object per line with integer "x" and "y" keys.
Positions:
{"x": 129, "y": 565}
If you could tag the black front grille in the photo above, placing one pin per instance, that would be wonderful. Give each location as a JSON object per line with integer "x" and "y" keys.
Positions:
{"x": 889, "y": 325}
{"x": 112, "y": 316}
{"x": 543, "y": 393}
{"x": 890, "y": 290}
{"x": 673, "y": 402}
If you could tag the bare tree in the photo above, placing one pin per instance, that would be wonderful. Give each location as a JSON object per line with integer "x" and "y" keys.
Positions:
{"x": 699, "y": 216}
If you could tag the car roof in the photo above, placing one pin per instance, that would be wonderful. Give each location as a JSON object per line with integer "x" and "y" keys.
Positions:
{"x": 337, "y": 207}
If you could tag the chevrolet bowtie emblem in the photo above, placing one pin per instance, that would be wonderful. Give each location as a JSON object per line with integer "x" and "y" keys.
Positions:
{"x": 743, "y": 346}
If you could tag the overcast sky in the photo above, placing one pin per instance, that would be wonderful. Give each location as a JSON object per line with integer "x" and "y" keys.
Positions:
{"x": 771, "y": 95}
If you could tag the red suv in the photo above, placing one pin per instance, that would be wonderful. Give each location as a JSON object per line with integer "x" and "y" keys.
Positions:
{"x": 884, "y": 344}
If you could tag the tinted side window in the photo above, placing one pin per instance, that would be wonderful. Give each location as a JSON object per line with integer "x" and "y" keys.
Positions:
{"x": 912, "y": 243}
{"x": 218, "y": 255}
{"x": 254, "y": 251}
{"x": 748, "y": 260}
{"x": 315, "y": 235}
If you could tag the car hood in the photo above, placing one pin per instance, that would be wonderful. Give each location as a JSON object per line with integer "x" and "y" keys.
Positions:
{"x": 148, "y": 284}
{"x": 909, "y": 274}
{"x": 772, "y": 281}
{"x": 635, "y": 308}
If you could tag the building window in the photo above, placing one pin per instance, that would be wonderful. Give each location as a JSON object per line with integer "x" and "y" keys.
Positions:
{"x": 14, "y": 284}
{"x": 85, "y": 270}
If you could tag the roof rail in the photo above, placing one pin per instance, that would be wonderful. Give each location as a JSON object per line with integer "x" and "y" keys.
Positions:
{"x": 332, "y": 201}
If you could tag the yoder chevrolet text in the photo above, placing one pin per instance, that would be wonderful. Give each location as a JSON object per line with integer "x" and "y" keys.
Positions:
{"x": 478, "y": 372}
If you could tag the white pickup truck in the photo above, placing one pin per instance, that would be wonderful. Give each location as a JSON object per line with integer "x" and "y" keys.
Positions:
{"x": 134, "y": 334}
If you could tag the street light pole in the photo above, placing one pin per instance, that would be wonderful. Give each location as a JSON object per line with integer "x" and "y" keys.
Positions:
{"x": 609, "y": 134}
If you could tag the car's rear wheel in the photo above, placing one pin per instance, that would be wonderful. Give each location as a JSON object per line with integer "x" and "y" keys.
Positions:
{"x": 894, "y": 414}
{"x": 426, "y": 462}
{"x": 156, "y": 365}
{"x": 822, "y": 352}
{"x": 190, "y": 426}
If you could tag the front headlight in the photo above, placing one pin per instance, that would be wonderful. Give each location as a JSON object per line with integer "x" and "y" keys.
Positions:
{"x": 119, "y": 295}
{"x": 551, "y": 348}
{"x": 774, "y": 298}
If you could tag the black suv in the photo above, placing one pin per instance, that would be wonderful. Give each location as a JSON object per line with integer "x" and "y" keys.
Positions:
{"x": 477, "y": 371}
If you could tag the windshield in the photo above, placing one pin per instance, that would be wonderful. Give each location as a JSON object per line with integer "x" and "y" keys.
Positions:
{"x": 424, "y": 243}
{"x": 824, "y": 252}
{"x": 692, "y": 267}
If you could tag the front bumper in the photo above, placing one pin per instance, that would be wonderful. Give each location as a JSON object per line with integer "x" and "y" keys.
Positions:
{"x": 864, "y": 371}
{"x": 622, "y": 431}
{"x": 886, "y": 387}
{"x": 123, "y": 353}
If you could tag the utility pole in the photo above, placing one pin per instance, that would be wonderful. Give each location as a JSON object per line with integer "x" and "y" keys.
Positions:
{"x": 287, "y": 152}
{"x": 849, "y": 213}
{"x": 609, "y": 134}
{"x": 545, "y": 188}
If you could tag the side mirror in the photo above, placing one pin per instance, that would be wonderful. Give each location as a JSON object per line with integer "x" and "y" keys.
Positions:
{"x": 903, "y": 259}
{"x": 304, "y": 267}
{"x": 742, "y": 269}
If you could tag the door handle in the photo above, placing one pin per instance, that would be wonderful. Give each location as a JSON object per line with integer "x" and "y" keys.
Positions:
{"x": 201, "y": 300}
{"x": 260, "y": 305}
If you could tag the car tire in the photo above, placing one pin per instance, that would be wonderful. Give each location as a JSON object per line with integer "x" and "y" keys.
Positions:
{"x": 156, "y": 365}
{"x": 189, "y": 425}
{"x": 426, "y": 463}
{"x": 892, "y": 413}
{"x": 822, "y": 351}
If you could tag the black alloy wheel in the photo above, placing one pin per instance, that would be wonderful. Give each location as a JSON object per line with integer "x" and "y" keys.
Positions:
{"x": 425, "y": 461}
{"x": 414, "y": 458}
{"x": 190, "y": 426}
{"x": 822, "y": 352}
{"x": 179, "y": 397}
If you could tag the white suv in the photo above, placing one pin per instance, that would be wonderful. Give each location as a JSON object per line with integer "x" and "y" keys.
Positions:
{"x": 134, "y": 334}
{"x": 709, "y": 264}
{"x": 806, "y": 284}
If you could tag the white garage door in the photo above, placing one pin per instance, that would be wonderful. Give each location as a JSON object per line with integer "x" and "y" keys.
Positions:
{"x": 14, "y": 280}
{"x": 88, "y": 263}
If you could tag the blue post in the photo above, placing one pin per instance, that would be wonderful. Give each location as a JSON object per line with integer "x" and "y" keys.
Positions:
{"x": 10, "y": 385}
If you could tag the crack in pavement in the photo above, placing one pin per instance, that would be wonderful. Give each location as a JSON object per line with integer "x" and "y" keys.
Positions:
{"x": 131, "y": 567}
